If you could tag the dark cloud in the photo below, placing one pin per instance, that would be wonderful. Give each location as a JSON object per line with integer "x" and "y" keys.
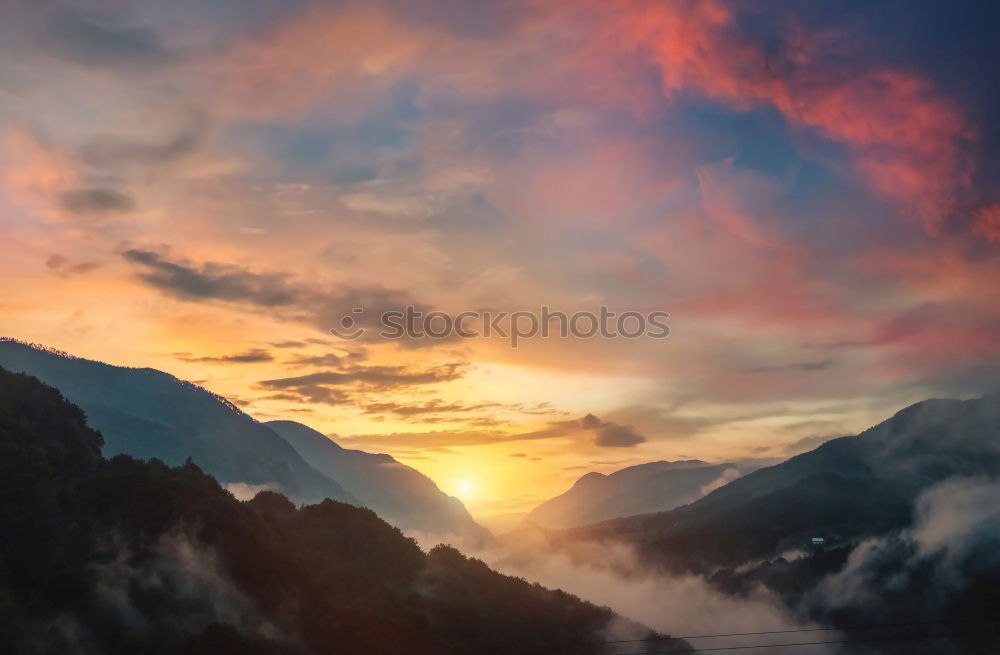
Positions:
{"x": 324, "y": 387}
{"x": 212, "y": 281}
{"x": 329, "y": 359}
{"x": 380, "y": 377}
{"x": 288, "y": 344}
{"x": 321, "y": 360}
{"x": 304, "y": 303}
{"x": 431, "y": 407}
{"x": 617, "y": 436}
{"x": 606, "y": 434}
{"x": 252, "y": 356}
{"x": 98, "y": 40}
{"x": 96, "y": 201}
{"x": 539, "y": 408}
{"x": 484, "y": 422}
{"x": 437, "y": 411}
{"x": 315, "y": 394}
{"x": 613, "y": 462}
{"x": 65, "y": 268}
{"x": 115, "y": 151}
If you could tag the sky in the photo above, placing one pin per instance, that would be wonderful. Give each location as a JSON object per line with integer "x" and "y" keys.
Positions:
{"x": 811, "y": 190}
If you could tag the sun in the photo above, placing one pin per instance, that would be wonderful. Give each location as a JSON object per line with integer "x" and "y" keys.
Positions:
{"x": 465, "y": 488}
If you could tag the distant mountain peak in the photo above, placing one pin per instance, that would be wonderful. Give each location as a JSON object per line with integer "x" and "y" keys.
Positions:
{"x": 850, "y": 486}
{"x": 665, "y": 465}
{"x": 398, "y": 493}
{"x": 638, "y": 489}
{"x": 589, "y": 478}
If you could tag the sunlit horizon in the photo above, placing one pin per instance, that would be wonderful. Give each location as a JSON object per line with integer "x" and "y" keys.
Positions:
{"x": 210, "y": 192}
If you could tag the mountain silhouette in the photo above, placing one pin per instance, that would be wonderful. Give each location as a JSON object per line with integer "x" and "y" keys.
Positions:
{"x": 905, "y": 518}
{"x": 147, "y": 414}
{"x": 845, "y": 489}
{"x": 126, "y": 556}
{"x": 399, "y": 494}
{"x": 640, "y": 489}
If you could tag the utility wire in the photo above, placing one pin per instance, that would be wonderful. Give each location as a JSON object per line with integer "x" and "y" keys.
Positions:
{"x": 782, "y": 632}
{"x": 815, "y": 643}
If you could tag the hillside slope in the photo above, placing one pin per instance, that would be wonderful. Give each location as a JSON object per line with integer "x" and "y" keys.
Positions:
{"x": 122, "y": 556}
{"x": 641, "y": 489}
{"x": 399, "y": 494}
{"x": 877, "y": 475}
{"x": 146, "y": 413}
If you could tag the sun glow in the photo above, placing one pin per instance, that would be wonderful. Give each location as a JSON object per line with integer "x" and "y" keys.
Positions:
{"x": 465, "y": 488}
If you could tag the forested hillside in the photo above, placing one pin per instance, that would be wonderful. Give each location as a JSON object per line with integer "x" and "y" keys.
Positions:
{"x": 127, "y": 556}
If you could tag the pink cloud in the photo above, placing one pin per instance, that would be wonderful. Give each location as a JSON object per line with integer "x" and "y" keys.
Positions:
{"x": 905, "y": 137}
{"x": 987, "y": 222}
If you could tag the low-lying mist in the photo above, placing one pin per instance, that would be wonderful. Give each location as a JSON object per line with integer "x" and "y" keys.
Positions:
{"x": 923, "y": 572}
{"x": 611, "y": 574}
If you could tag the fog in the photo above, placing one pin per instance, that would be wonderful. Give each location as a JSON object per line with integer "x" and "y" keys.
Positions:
{"x": 611, "y": 574}
{"x": 954, "y": 535}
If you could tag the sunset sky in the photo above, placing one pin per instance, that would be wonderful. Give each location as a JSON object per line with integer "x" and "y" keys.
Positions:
{"x": 811, "y": 190}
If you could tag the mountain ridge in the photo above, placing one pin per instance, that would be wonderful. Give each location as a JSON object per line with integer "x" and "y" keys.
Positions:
{"x": 398, "y": 493}
{"x": 638, "y": 489}
{"x": 147, "y": 413}
{"x": 138, "y": 410}
{"x": 918, "y": 446}
{"x": 126, "y": 556}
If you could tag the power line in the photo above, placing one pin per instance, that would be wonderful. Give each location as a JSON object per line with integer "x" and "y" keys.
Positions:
{"x": 781, "y": 632}
{"x": 815, "y": 643}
